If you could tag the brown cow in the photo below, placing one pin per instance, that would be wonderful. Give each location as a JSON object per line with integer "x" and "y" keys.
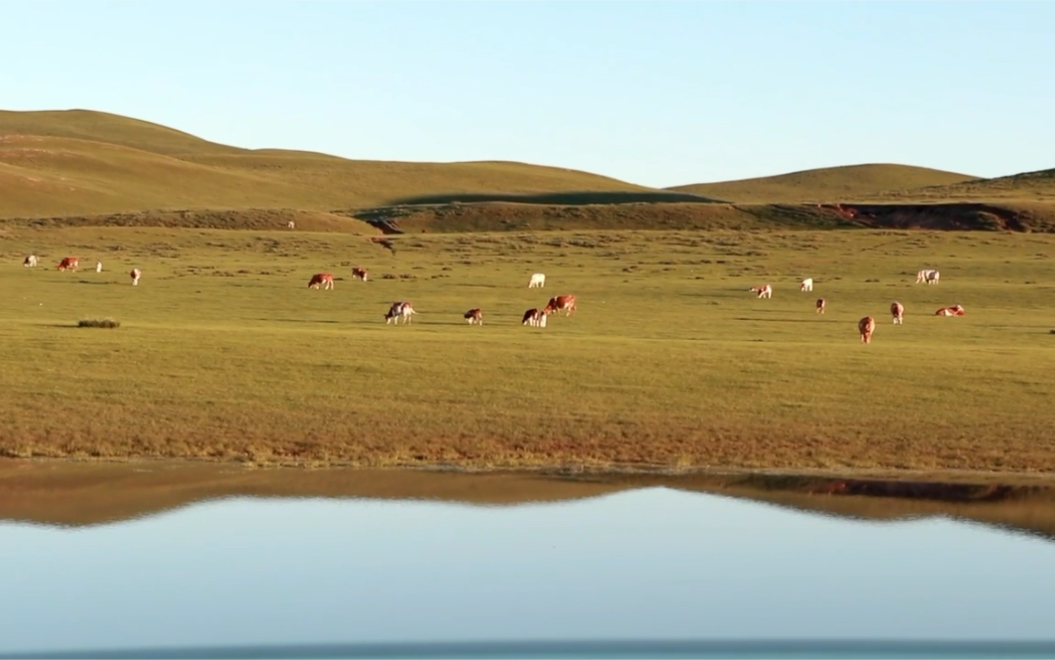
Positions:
{"x": 567, "y": 303}
{"x": 897, "y": 310}
{"x": 475, "y": 316}
{"x": 955, "y": 310}
{"x": 535, "y": 317}
{"x": 866, "y": 326}
{"x": 820, "y": 305}
{"x": 325, "y": 279}
{"x": 68, "y": 263}
{"x": 360, "y": 273}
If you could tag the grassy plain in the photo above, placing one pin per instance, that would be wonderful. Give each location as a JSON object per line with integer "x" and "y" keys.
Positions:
{"x": 223, "y": 353}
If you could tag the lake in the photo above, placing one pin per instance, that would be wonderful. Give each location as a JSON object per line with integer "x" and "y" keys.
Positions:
{"x": 650, "y": 571}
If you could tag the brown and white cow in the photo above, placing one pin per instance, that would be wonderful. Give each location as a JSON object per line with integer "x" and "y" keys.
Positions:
{"x": 764, "y": 291}
{"x": 135, "y": 275}
{"x": 475, "y": 315}
{"x": 866, "y": 327}
{"x": 360, "y": 273}
{"x": 820, "y": 305}
{"x": 68, "y": 263}
{"x": 324, "y": 279}
{"x": 955, "y": 310}
{"x": 30, "y": 261}
{"x": 897, "y": 310}
{"x": 806, "y": 284}
{"x": 399, "y": 310}
{"x": 566, "y": 303}
{"x": 535, "y": 317}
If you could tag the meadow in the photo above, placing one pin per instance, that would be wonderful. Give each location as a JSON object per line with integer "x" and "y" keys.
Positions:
{"x": 223, "y": 353}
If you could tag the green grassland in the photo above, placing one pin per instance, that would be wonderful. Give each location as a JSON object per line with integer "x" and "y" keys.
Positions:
{"x": 223, "y": 353}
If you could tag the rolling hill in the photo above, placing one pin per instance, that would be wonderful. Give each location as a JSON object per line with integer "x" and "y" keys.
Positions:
{"x": 829, "y": 184}
{"x": 85, "y": 162}
{"x": 1025, "y": 187}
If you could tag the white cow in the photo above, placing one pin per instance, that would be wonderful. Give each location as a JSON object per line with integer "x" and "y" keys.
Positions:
{"x": 136, "y": 274}
{"x": 928, "y": 276}
{"x": 98, "y": 266}
{"x": 538, "y": 281}
{"x": 30, "y": 261}
{"x": 806, "y": 284}
{"x": 291, "y": 224}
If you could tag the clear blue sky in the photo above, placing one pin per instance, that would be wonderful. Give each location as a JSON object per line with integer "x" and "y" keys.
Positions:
{"x": 655, "y": 93}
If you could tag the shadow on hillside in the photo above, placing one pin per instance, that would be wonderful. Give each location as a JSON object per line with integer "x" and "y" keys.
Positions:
{"x": 562, "y": 198}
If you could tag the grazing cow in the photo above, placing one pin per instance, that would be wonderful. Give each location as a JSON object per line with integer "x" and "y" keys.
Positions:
{"x": 475, "y": 316}
{"x": 897, "y": 310}
{"x": 399, "y": 310}
{"x": 806, "y": 284}
{"x": 360, "y": 273}
{"x": 30, "y": 261}
{"x": 567, "y": 303}
{"x": 866, "y": 326}
{"x": 928, "y": 276}
{"x": 955, "y": 310}
{"x": 764, "y": 291}
{"x": 535, "y": 317}
{"x": 68, "y": 263}
{"x": 291, "y": 225}
{"x": 98, "y": 266}
{"x": 325, "y": 279}
{"x": 136, "y": 274}
{"x": 820, "y": 305}
{"x": 538, "y": 281}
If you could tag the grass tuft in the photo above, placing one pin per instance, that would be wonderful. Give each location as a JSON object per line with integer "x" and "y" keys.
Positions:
{"x": 98, "y": 323}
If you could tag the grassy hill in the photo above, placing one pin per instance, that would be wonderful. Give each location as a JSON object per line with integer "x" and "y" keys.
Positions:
{"x": 1027, "y": 187}
{"x": 82, "y": 162}
{"x": 848, "y": 183}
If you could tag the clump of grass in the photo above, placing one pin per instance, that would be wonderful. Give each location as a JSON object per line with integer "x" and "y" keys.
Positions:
{"x": 98, "y": 323}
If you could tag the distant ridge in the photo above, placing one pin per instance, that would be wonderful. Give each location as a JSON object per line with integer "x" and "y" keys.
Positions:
{"x": 845, "y": 183}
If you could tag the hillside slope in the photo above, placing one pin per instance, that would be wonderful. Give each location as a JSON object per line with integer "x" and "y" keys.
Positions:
{"x": 1026, "y": 187}
{"x": 84, "y": 162}
{"x": 829, "y": 184}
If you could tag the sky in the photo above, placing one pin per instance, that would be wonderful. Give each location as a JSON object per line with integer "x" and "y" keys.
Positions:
{"x": 654, "y": 93}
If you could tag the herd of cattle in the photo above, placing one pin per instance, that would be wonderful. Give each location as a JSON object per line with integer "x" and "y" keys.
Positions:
{"x": 867, "y": 325}
{"x": 536, "y": 317}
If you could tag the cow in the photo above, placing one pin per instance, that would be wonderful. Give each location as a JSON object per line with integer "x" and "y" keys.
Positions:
{"x": 567, "y": 303}
{"x": 360, "y": 273}
{"x": 866, "y": 326}
{"x": 325, "y": 279}
{"x": 136, "y": 274}
{"x": 806, "y": 284}
{"x": 535, "y": 317}
{"x": 475, "y": 315}
{"x": 538, "y": 281}
{"x": 764, "y": 291}
{"x": 30, "y": 261}
{"x": 820, "y": 305}
{"x": 291, "y": 225}
{"x": 68, "y": 263}
{"x": 399, "y": 310}
{"x": 955, "y": 310}
{"x": 897, "y": 310}
{"x": 928, "y": 276}
{"x": 98, "y": 266}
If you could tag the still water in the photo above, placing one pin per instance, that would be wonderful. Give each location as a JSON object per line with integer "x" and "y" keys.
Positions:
{"x": 646, "y": 564}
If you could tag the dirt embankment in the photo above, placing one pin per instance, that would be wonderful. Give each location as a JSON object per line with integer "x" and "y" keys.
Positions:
{"x": 500, "y": 216}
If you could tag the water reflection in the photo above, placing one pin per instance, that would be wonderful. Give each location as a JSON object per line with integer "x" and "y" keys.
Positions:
{"x": 645, "y": 564}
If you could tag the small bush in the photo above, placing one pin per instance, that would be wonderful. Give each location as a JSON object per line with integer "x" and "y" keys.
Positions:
{"x": 98, "y": 323}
